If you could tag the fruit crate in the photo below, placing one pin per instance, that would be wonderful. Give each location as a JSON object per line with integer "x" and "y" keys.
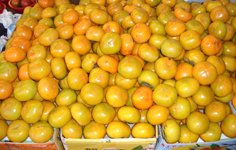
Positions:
{"x": 224, "y": 142}
{"x": 53, "y": 144}
{"x": 111, "y": 144}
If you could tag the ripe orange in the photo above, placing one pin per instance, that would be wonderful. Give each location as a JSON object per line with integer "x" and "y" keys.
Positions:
{"x": 6, "y": 89}
{"x": 140, "y": 33}
{"x": 70, "y": 16}
{"x": 14, "y": 54}
{"x": 142, "y": 97}
{"x": 157, "y": 114}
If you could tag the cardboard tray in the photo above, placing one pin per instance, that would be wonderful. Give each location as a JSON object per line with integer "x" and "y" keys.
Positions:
{"x": 223, "y": 143}
{"x": 53, "y": 144}
{"x": 110, "y": 144}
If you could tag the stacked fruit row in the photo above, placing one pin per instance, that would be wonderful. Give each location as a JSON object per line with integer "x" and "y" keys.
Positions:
{"x": 93, "y": 68}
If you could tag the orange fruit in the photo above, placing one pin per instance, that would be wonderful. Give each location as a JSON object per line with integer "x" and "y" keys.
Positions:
{"x": 142, "y": 97}
{"x": 140, "y": 33}
{"x": 70, "y": 16}
{"x": 157, "y": 114}
{"x": 14, "y": 54}
{"x": 108, "y": 63}
{"x": 81, "y": 44}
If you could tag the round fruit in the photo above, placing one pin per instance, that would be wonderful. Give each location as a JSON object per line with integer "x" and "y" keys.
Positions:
{"x": 48, "y": 88}
{"x": 31, "y": 111}
{"x": 187, "y": 136}
{"x": 103, "y": 113}
{"x": 6, "y": 89}
{"x": 80, "y": 113}
{"x": 197, "y": 122}
{"x": 212, "y": 134}
{"x": 128, "y": 114}
{"x": 130, "y": 67}
{"x": 18, "y": 131}
{"x": 72, "y": 130}
{"x": 203, "y": 96}
{"x": 25, "y": 90}
{"x": 59, "y": 116}
{"x": 118, "y": 129}
{"x": 66, "y": 97}
{"x": 180, "y": 109}
{"x": 94, "y": 130}
{"x": 215, "y": 111}
{"x": 92, "y": 93}
{"x": 11, "y": 109}
{"x": 40, "y": 132}
{"x": 143, "y": 130}
{"x": 157, "y": 114}
{"x": 171, "y": 131}
{"x": 187, "y": 86}
{"x": 164, "y": 95}
{"x": 142, "y": 97}
{"x": 116, "y": 96}
{"x": 228, "y": 126}
{"x": 165, "y": 68}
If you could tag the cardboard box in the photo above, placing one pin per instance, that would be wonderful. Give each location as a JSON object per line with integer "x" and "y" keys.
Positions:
{"x": 110, "y": 144}
{"x": 53, "y": 144}
{"x": 223, "y": 143}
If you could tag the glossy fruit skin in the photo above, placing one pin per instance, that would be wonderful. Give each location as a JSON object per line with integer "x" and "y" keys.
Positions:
{"x": 80, "y": 113}
{"x": 77, "y": 78}
{"x": 212, "y": 134}
{"x": 92, "y": 93}
{"x": 171, "y": 48}
{"x": 204, "y": 72}
{"x": 110, "y": 43}
{"x": 171, "y": 131}
{"x": 72, "y": 130}
{"x": 103, "y": 113}
{"x": 18, "y": 131}
{"x": 203, "y": 96}
{"x": 48, "y": 88}
{"x": 157, "y": 115}
{"x": 25, "y": 90}
{"x": 215, "y": 111}
{"x": 186, "y": 136}
{"x": 197, "y": 122}
{"x": 66, "y": 97}
{"x": 31, "y": 111}
{"x": 118, "y": 129}
{"x": 222, "y": 86}
{"x": 143, "y": 130}
{"x": 116, "y": 96}
{"x": 142, "y": 97}
{"x": 11, "y": 109}
{"x": 47, "y": 108}
{"x": 228, "y": 126}
{"x": 94, "y": 130}
{"x": 59, "y": 116}
{"x": 41, "y": 132}
{"x": 128, "y": 114}
{"x": 130, "y": 67}
{"x": 180, "y": 109}
{"x": 187, "y": 86}
{"x": 164, "y": 95}
{"x": 6, "y": 89}
{"x": 165, "y": 68}
{"x": 8, "y": 71}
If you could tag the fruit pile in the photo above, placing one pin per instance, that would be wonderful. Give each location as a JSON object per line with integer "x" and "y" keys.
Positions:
{"x": 94, "y": 68}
